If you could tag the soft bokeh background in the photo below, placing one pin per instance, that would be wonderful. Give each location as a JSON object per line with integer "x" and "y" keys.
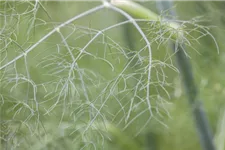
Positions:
{"x": 63, "y": 118}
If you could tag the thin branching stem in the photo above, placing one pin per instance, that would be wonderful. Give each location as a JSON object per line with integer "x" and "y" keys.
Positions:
{"x": 52, "y": 32}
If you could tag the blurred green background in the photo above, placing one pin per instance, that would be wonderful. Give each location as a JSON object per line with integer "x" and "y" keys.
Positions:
{"x": 44, "y": 104}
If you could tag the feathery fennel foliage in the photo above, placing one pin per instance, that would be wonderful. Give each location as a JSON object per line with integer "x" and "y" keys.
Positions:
{"x": 67, "y": 78}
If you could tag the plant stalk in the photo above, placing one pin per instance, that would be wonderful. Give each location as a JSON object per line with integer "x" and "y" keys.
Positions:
{"x": 201, "y": 121}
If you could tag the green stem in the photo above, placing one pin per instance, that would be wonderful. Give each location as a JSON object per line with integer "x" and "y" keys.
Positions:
{"x": 199, "y": 115}
{"x": 135, "y": 9}
{"x": 140, "y": 12}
